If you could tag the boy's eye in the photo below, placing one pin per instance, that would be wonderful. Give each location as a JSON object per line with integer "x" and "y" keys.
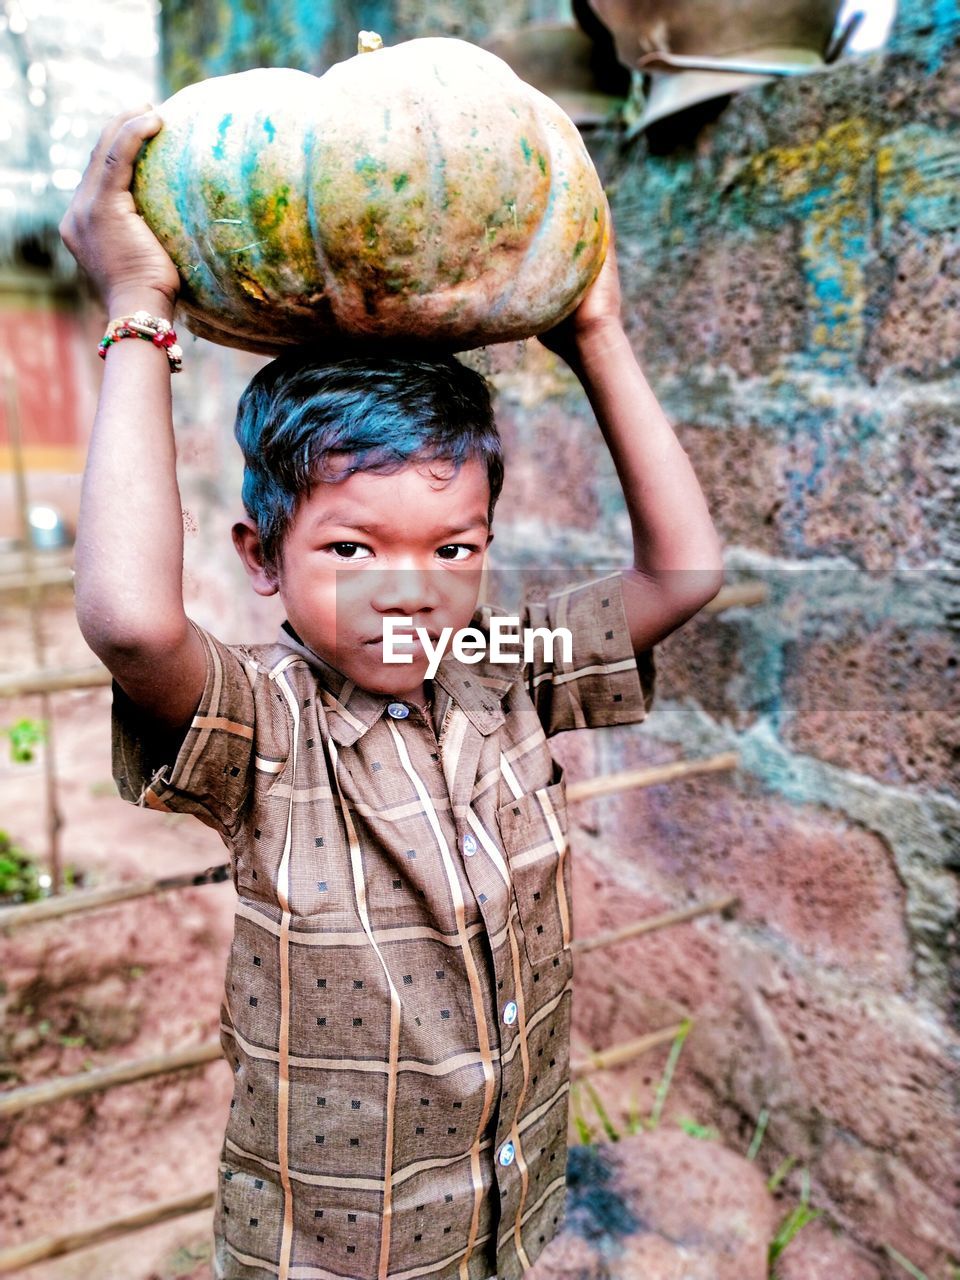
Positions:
{"x": 344, "y": 550}
{"x": 354, "y": 551}
{"x": 455, "y": 547}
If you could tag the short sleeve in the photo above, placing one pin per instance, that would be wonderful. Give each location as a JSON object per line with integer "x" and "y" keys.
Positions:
{"x": 604, "y": 683}
{"x": 211, "y": 774}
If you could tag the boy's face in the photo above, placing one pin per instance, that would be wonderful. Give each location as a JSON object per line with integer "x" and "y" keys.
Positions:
{"x": 410, "y": 544}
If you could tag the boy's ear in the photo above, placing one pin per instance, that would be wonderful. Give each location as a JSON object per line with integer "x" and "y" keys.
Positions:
{"x": 249, "y": 549}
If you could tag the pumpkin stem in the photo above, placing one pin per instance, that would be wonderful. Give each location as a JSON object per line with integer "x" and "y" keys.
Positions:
{"x": 368, "y": 41}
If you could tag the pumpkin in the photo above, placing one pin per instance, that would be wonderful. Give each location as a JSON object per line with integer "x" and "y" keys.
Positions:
{"x": 421, "y": 193}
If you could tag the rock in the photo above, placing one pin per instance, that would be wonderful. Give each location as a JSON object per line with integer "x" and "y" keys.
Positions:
{"x": 107, "y": 1014}
{"x": 662, "y": 1206}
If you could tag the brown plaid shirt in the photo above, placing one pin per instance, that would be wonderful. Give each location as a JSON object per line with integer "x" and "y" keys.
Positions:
{"x": 397, "y": 1003}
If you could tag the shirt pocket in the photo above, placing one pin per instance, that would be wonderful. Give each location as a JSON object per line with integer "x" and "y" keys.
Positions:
{"x": 258, "y": 844}
{"x": 533, "y": 829}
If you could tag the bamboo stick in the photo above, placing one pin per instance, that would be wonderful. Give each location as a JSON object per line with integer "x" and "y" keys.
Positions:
{"x": 47, "y": 1092}
{"x": 48, "y": 575}
{"x": 592, "y": 788}
{"x": 650, "y": 924}
{"x": 93, "y": 899}
{"x": 56, "y": 1246}
{"x": 618, "y": 1054}
{"x": 58, "y": 680}
{"x": 53, "y": 680}
{"x": 738, "y": 595}
{"x": 25, "y": 1255}
{"x": 35, "y": 607}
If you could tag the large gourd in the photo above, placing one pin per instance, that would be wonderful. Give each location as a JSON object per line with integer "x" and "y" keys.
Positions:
{"x": 421, "y": 193}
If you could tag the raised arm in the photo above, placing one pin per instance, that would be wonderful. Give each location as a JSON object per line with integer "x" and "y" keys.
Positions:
{"x": 129, "y": 554}
{"x": 677, "y": 564}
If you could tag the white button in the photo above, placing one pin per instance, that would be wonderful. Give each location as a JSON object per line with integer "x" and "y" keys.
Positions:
{"x": 469, "y": 845}
{"x": 507, "y": 1154}
{"x": 398, "y": 711}
{"x": 510, "y": 1012}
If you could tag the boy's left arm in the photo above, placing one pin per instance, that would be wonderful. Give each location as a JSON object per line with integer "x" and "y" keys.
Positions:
{"x": 677, "y": 562}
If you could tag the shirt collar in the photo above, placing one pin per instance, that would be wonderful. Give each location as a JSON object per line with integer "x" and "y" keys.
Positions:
{"x": 477, "y": 689}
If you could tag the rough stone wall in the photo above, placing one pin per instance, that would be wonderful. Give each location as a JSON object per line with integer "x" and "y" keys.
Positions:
{"x": 792, "y": 279}
{"x": 792, "y": 283}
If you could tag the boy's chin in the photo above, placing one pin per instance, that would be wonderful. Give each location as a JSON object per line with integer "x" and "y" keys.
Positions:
{"x": 391, "y": 678}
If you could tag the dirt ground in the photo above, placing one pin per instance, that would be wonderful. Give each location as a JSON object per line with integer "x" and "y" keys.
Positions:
{"x": 114, "y": 985}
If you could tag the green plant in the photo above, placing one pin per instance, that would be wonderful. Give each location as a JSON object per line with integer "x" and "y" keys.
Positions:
{"x": 781, "y": 1171}
{"x": 697, "y": 1130}
{"x": 24, "y": 736}
{"x": 634, "y": 1122}
{"x": 798, "y": 1217}
{"x": 907, "y": 1265}
{"x": 584, "y": 1131}
{"x": 185, "y": 1259}
{"x": 762, "y": 1121}
{"x": 601, "y": 1111}
{"x": 19, "y": 874}
{"x": 663, "y": 1088}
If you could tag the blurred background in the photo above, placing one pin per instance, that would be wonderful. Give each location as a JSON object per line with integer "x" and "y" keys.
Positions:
{"x": 767, "y": 906}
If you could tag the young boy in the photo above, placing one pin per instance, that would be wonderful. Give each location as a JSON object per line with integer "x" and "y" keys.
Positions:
{"x": 397, "y": 1000}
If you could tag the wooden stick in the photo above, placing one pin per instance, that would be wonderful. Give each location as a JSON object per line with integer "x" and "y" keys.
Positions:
{"x": 48, "y": 575}
{"x": 738, "y": 595}
{"x": 53, "y": 680}
{"x": 592, "y": 788}
{"x": 93, "y": 899}
{"x": 35, "y": 608}
{"x": 25, "y": 1255}
{"x": 650, "y": 924}
{"x": 618, "y": 1054}
{"x": 56, "y": 1246}
{"x": 15, "y": 1101}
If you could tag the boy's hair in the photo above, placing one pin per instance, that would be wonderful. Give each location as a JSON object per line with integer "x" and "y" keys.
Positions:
{"x": 386, "y": 411}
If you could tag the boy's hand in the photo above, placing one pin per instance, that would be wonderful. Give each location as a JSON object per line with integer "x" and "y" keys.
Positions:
{"x": 104, "y": 232}
{"x": 599, "y": 309}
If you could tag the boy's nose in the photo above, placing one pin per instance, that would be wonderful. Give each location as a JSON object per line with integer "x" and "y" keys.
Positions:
{"x": 405, "y": 591}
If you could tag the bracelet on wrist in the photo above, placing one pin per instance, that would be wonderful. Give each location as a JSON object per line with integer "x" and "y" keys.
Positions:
{"x": 153, "y": 329}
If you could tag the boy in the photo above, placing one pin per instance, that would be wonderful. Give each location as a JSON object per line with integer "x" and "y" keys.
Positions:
{"x": 398, "y": 993}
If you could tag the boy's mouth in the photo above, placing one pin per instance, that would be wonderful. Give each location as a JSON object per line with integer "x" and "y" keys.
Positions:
{"x": 404, "y": 636}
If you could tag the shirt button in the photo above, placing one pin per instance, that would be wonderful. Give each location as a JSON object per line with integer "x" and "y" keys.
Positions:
{"x": 398, "y": 711}
{"x": 510, "y": 1012}
{"x": 507, "y": 1154}
{"x": 469, "y": 845}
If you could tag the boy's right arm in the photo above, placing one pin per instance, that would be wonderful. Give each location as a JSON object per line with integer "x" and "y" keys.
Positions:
{"x": 129, "y": 551}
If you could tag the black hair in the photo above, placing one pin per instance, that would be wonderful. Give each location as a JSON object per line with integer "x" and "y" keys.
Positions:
{"x": 385, "y": 411}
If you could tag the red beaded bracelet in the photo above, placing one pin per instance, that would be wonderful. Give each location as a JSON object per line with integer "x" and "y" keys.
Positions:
{"x": 141, "y": 325}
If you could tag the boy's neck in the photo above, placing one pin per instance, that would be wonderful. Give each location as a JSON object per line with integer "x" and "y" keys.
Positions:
{"x": 421, "y": 697}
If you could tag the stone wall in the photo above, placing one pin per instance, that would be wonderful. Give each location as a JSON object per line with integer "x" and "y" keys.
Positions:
{"x": 792, "y": 280}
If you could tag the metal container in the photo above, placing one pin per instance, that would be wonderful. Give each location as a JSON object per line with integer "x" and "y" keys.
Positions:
{"x": 694, "y": 50}
{"x": 563, "y": 62}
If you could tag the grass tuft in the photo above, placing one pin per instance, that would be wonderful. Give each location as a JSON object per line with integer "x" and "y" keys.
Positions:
{"x": 907, "y": 1265}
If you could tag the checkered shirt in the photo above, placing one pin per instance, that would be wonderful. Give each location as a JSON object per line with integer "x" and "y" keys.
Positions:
{"x": 397, "y": 997}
